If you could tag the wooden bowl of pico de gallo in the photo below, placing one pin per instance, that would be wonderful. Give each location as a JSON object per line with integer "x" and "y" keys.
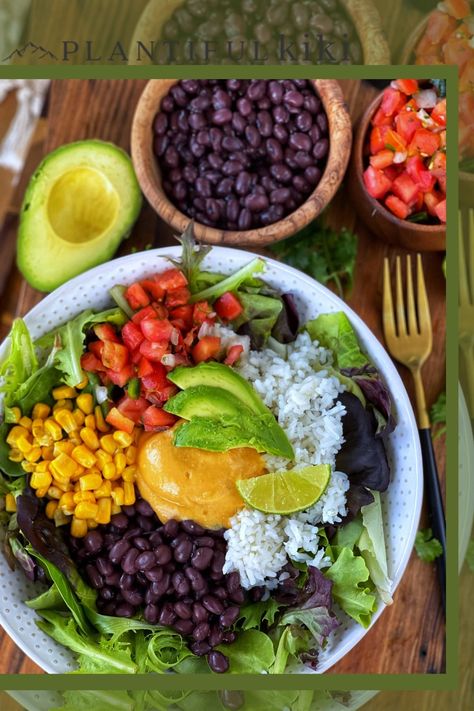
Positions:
{"x": 397, "y": 178}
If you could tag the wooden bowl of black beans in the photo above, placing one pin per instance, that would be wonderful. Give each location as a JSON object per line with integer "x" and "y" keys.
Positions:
{"x": 250, "y": 161}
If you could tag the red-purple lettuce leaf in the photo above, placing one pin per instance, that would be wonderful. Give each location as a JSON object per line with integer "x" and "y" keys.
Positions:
{"x": 377, "y": 394}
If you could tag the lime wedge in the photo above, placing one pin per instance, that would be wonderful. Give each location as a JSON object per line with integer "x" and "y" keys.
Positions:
{"x": 285, "y": 492}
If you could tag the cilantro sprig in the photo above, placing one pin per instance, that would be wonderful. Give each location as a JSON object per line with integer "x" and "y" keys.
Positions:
{"x": 427, "y": 547}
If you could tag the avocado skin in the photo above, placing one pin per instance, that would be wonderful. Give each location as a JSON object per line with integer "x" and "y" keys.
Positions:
{"x": 204, "y": 401}
{"x": 219, "y": 376}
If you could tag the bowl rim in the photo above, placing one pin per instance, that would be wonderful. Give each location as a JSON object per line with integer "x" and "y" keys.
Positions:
{"x": 358, "y": 162}
{"x": 147, "y": 169}
{"x": 376, "y": 351}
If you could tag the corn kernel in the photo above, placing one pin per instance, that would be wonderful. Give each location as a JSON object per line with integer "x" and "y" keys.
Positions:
{"x": 66, "y": 419}
{"x": 63, "y": 467}
{"x": 84, "y": 496}
{"x": 120, "y": 462}
{"x": 33, "y": 455}
{"x": 109, "y": 471}
{"x": 66, "y": 501}
{"x": 37, "y": 430}
{"x": 83, "y": 384}
{"x": 123, "y": 439}
{"x": 45, "y": 440}
{"x": 40, "y": 411}
{"x": 25, "y": 422}
{"x": 15, "y": 434}
{"x": 75, "y": 439}
{"x": 128, "y": 493}
{"x": 131, "y": 454}
{"x": 63, "y": 405}
{"x": 86, "y": 509}
{"x": 85, "y": 402}
{"x": 89, "y": 438}
{"x": 47, "y": 453}
{"x": 91, "y": 523}
{"x": 103, "y": 458}
{"x": 10, "y": 503}
{"x": 77, "y": 486}
{"x": 15, "y": 455}
{"x": 27, "y": 466}
{"x": 108, "y": 444}
{"x": 53, "y": 429}
{"x": 79, "y": 417}
{"x": 64, "y": 485}
{"x": 104, "y": 490}
{"x": 51, "y": 507}
{"x": 90, "y": 422}
{"x": 42, "y": 466}
{"x": 104, "y": 510}
{"x": 78, "y": 527}
{"x": 63, "y": 392}
{"x": 82, "y": 455}
{"x": 40, "y": 479}
{"x": 89, "y": 482}
{"x": 79, "y": 472}
{"x": 64, "y": 446}
{"x": 129, "y": 473}
{"x": 101, "y": 424}
{"x": 115, "y": 509}
{"x": 24, "y": 445}
{"x": 15, "y": 414}
{"x": 54, "y": 492}
{"x": 61, "y": 517}
{"x": 118, "y": 495}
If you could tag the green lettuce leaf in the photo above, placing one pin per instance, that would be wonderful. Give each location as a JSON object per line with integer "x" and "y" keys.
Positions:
{"x": 348, "y": 573}
{"x": 51, "y": 599}
{"x": 251, "y": 653}
{"x": 427, "y": 547}
{"x": 165, "y": 650}
{"x": 372, "y": 547}
{"x": 318, "y": 620}
{"x": 334, "y": 331}
{"x": 294, "y": 640}
{"x": 82, "y": 700}
{"x": 230, "y": 283}
{"x": 21, "y": 362}
{"x": 260, "y": 315}
{"x": 255, "y": 614}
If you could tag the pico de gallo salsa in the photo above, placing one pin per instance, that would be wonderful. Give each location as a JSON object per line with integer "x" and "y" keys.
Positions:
{"x": 406, "y": 152}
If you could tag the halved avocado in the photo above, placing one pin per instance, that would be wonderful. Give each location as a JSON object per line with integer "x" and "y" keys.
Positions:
{"x": 81, "y": 202}
{"x": 204, "y": 401}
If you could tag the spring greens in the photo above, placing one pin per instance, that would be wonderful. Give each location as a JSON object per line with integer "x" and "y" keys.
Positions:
{"x": 427, "y": 547}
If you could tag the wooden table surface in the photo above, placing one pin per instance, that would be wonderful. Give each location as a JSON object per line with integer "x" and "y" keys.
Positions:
{"x": 409, "y": 637}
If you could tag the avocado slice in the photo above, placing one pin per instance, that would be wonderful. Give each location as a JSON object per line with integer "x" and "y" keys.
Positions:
{"x": 218, "y": 375}
{"x": 204, "y": 401}
{"x": 82, "y": 200}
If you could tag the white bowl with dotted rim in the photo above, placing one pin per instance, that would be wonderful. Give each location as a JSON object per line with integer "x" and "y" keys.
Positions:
{"x": 401, "y": 503}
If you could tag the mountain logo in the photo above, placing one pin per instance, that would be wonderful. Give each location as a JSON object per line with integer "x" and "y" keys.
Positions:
{"x": 30, "y": 49}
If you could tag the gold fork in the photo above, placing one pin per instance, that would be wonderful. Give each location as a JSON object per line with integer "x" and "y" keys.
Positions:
{"x": 411, "y": 344}
{"x": 466, "y": 307}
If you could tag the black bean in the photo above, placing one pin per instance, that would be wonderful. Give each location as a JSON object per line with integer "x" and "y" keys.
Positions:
{"x": 195, "y": 578}
{"x": 160, "y": 124}
{"x": 113, "y": 580}
{"x": 142, "y": 543}
{"x": 129, "y": 560}
{"x": 218, "y": 662}
{"x": 200, "y": 649}
{"x": 312, "y": 174}
{"x": 179, "y": 95}
{"x": 215, "y": 161}
{"x": 218, "y": 561}
{"x": 180, "y": 583}
{"x": 133, "y": 597}
{"x": 229, "y": 616}
{"x": 232, "y": 209}
{"x": 203, "y": 138}
{"x": 163, "y": 554}
{"x": 221, "y": 100}
{"x": 145, "y": 561}
{"x": 244, "y": 106}
{"x": 264, "y": 123}
{"x": 221, "y": 117}
{"x": 167, "y": 615}
{"x": 229, "y": 637}
{"x": 238, "y": 596}
{"x": 322, "y": 121}
{"x": 104, "y": 566}
{"x": 124, "y": 610}
{"x": 312, "y": 103}
{"x": 183, "y": 551}
{"x": 275, "y": 92}
{"x": 213, "y": 209}
{"x": 131, "y": 533}
{"x": 156, "y": 539}
{"x": 94, "y": 576}
{"x": 256, "y": 202}
{"x": 253, "y": 136}
{"x": 151, "y": 614}
{"x": 304, "y": 121}
{"x": 161, "y": 586}
{"x": 238, "y": 122}
{"x": 200, "y": 614}
{"x": 280, "y": 133}
{"x": 206, "y": 541}
{"x": 231, "y": 167}
{"x": 281, "y": 173}
{"x": 215, "y": 636}
{"x": 216, "y": 138}
{"x": 321, "y": 148}
{"x": 167, "y": 104}
{"x": 274, "y": 150}
{"x": 190, "y": 86}
{"x": 107, "y": 593}
{"x": 201, "y": 631}
{"x": 126, "y": 581}
{"x": 154, "y": 575}
{"x": 293, "y": 99}
{"x": 303, "y": 159}
{"x": 256, "y": 594}
{"x": 171, "y": 528}
{"x": 230, "y": 143}
{"x": 280, "y": 196}
{"x": 232, "y": 581}
{"x": 300, "y": 141}
{"x": 93, "y": 541}
{"x": 245, "y": 219}
{"x": 213, "y": 604}
{"x": 183, "y": 610}
{"x": 256, "y": 90}
{"x": 120, "y": 521}
{"x": 183, "y": 626}
{"x": 220, "y": 592}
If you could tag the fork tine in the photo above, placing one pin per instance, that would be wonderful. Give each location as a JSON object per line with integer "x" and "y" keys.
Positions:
{"x": 387, "y": 314}
{"x": 424, "y": 315}
{"x": 400, "y": 308}
{"x": 412, "y": 324}
{"x": 470, "y": 248}
{"x": 463, "y": 285}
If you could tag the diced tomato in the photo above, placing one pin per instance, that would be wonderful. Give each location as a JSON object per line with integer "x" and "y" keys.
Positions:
{"x": 137, "y": 296}
{"x": 407, "y": 86}
{"x": 177, "y": 297}
{"x": 120, "y": 421}
{"x": 407, "y": 124}
{"x": 458, "y": 8}
{"x": 144, "y": 367}
{"x": 377, "y": 138}
{"x": 157, "y": 331}
{"x": 155, "y": 418}
{"x": 418, "y": 205}
{"x": 405, "y": 188}
{"x": 440, "y": 210}
{"x": 153, "y": 288}
{"x": 228, "y": 307}
{"x": 114, "y": 355}
{"x": 438, "y": 163}
{"x": 382, "y": 160}
{"x": 201, "y": 312}
{"x": 233, "y": 354}
{"x": 153, "y": 351}
{"x": 393, "y": 171}
{"x": 91, "y": 363}
{"x": 439, "y": 112}
{"x": 376, "y": 182}
{"x": 206, "y": 348}
{"x": 442, "y": 183}
{"x": 418, "y": 173}
{"x": 394, "y": 141}
{"x": 171, "y": 279}
{"x": 381, "y": 119}
{"x": 397, "y": 206}
{"x": 439, "y": 27}
{"x": 120, "y": 377}
{"x": 96, "y": 348}
{"x": 106, "y": 332}
{"x": 183, "y": 313}
{"x": 431, "y": 201}
{"x": 425, "y": 142}
{"x": 135, "y": 356}
{"x": 392, "y": 101}
{"x": 148, "y": 312}
{"x": 133, "y": 409}
{"x": 131, "y": 335}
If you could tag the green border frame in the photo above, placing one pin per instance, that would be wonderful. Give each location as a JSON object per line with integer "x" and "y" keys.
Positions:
{"x": 445, "y": 681}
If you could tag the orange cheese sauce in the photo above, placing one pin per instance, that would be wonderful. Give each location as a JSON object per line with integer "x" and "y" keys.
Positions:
{"x": 188, "y": 483}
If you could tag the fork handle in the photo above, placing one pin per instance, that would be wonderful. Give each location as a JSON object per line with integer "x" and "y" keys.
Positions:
{"x": 435, "y": 505}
